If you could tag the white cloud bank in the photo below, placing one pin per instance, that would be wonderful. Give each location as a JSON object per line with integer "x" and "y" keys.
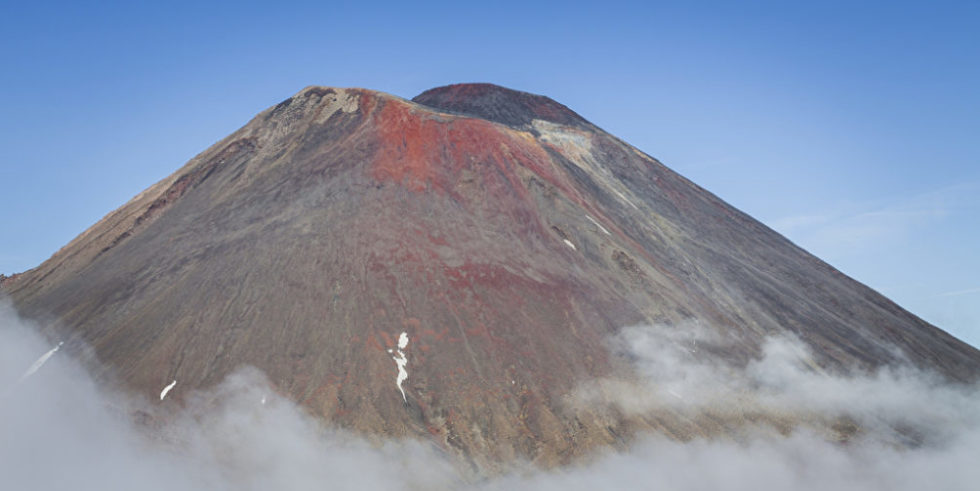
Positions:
{"x": 675, "y": 373}
{"x": 59, "y": 430}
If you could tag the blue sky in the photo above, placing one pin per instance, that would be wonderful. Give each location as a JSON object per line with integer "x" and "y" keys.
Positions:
{"x": 852, "y": 129}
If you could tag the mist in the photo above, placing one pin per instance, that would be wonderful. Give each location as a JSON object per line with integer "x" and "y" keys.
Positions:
{"x": 62, "y": 430}
{"x": 672, "y": 372}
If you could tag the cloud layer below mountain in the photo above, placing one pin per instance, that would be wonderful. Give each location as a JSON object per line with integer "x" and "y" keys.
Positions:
{"x": 62, "y": 430}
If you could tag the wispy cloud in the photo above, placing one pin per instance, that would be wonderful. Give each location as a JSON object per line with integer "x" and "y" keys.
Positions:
{"x": 968, "y": 291}
{"x": 852, "y": 227}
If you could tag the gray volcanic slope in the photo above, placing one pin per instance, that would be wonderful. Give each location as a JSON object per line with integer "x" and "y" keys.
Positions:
{"x": 503, "y": 234}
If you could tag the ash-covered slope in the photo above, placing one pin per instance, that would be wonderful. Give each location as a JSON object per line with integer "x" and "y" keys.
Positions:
{"x": 446, "y": 268}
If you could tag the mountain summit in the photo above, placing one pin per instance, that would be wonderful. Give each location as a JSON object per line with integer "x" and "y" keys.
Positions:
{"x": 499, "y": 104}
{"x": 449, "y": 268}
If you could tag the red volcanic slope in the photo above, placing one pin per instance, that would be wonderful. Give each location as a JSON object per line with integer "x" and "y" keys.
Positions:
{"x": 503, "y": 234}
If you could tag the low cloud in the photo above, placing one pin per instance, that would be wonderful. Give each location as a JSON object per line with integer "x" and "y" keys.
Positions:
{"x": 61, "y": 430}
{"x": 904, "y": 428}
{"x": 802, "y": 461}
{"x": 895, "y": 404}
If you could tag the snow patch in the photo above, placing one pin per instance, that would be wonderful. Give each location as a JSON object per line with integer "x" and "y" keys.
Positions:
{"x": 163, "y": 393}
{"x": 626, "y": 200}
{"x": 597, "y": 225}
{"x": 39, "y": 362}
{"x": 402, "y": 361}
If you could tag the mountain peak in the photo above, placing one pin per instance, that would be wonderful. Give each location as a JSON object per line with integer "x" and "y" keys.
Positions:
{"x": 498, "y": 104}
{"x": 405, "y": 273}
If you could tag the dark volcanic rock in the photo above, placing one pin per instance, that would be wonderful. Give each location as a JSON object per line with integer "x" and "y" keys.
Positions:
{"x": 309, "y": 240}
{"x": 499, "y": 104}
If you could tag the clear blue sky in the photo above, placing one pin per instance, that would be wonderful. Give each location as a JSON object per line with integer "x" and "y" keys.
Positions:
{"x": 851, "y": 127}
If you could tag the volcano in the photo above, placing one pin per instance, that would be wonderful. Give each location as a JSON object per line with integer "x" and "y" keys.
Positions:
{"x": 446, "y": 268}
